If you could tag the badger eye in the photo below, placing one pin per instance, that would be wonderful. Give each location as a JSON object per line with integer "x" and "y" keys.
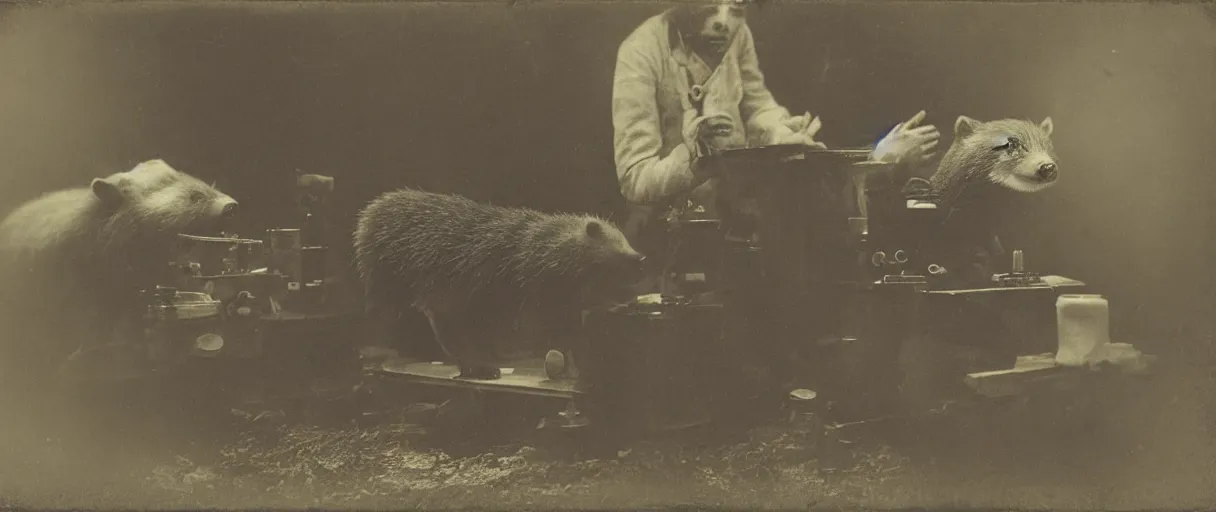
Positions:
{"x": 1010, "y": 143}
{"x": 197, "y": 197}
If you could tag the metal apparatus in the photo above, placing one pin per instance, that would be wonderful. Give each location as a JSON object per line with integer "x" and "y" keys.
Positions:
{"x": 230, "y": 290}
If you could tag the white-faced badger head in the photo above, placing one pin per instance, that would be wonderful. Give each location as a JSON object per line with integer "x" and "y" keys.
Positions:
{"x": 1013, "y": 153}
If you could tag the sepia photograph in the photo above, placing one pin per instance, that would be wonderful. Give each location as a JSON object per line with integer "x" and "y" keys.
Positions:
{"x": 607, "y": 255}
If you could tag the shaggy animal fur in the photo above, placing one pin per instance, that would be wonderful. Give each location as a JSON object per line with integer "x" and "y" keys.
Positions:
{"x": 1007, "y": 154}
{"x": 141, "y": 210}
{"x": 457, "y": 260}
{"x": 86, "y": 252}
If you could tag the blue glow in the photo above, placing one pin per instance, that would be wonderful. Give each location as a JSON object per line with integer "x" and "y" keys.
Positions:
{"x": 884, "y": 133}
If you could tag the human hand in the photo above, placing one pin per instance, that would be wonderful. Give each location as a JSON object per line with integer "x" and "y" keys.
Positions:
{"x": 803, "y": 128}
{"x": 703, "y": 129}
{"x": 907, "y": 142}
{"x": 699, "y": 134}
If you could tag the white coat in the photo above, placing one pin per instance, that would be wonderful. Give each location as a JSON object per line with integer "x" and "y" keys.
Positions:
{"x": 652, "y": 69}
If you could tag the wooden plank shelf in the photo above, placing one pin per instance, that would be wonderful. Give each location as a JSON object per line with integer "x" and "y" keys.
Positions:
{"x": 519, "y": 377}
{"x": 1036, "y": 372}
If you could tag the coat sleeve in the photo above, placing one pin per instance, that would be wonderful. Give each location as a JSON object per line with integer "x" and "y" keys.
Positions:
{"x": 761, "y": 113}
{"x": 645, "y": 175}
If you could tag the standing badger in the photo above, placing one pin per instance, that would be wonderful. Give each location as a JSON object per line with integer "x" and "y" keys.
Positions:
{"x": 75, "y": 260}
{"x": 987, "y": 164}
{"x": 460, "y": 262}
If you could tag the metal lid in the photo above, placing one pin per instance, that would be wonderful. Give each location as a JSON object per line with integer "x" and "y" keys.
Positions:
{"x": 802, "y": 395}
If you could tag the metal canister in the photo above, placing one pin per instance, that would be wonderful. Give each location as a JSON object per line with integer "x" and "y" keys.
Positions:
{"x": 694, "y": 257}
{"x": 741, "y": 264}
{"x": 312, "y": 263}
{"x": 806, "y": 416}
{"x": 285, "y": 253}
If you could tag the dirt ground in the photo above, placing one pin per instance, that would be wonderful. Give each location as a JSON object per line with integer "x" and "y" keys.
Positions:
{"x": 1149, "y": 448}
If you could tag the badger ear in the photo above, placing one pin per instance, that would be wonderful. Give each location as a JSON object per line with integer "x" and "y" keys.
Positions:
{"x": 107, "y": 191}
{"x": 1046, "y": 125}
{"x": 157, "y": 163}
{"x": 964, "y": 126}
{"x": 594, "y": 229}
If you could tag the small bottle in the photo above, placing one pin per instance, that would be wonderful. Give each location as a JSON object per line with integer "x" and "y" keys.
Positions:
{"x": 1019, "y": 265}
{"x": 1083, "y": 323}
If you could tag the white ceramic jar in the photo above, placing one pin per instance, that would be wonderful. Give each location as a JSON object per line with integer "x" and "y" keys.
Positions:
{"x": 1083, "y": 327}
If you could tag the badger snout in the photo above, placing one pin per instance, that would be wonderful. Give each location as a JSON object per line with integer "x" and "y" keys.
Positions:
{"x": 638, "y": 261}
{"x": 1047, "y": 171}
{"x": 635, "y": 266}
{"x": 229, "y": 208}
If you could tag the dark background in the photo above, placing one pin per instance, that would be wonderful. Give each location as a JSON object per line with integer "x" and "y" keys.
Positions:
{"x": 512, "y": 105}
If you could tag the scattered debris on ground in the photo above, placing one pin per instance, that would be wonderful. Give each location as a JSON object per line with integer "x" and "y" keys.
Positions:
{"x": 275, "y": 459}
{"x": 353, "y": 465}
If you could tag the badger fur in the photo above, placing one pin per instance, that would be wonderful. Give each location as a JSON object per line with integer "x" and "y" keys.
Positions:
{"x": 459, "y": 261}
{"x": 1008, "y": 154}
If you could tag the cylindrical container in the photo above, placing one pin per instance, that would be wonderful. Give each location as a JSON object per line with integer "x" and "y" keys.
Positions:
{"x": 1083, "y": 324}
{"x": 285, "y": 257}
{"x": 858, "y": 226}
{"x": 806, "y": 419}
{"x": 695, "y": 255}
{"x": 312, "y": 263}
{"x": 741, "y": 265}
{"x": 312, "y": 235}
